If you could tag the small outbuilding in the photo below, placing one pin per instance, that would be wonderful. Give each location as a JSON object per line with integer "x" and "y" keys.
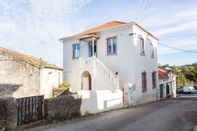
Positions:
{"x": 23, "y": 75}
{"x": 167, "y": 83}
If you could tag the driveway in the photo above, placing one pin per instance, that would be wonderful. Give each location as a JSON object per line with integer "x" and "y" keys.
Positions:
{"x": 178, "y": 114}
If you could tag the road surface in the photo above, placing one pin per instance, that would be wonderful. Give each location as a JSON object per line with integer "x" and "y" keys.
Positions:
{"x": 178, "y": 114}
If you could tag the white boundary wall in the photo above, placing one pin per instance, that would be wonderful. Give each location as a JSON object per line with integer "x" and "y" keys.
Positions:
{"x": 95, "y": 101}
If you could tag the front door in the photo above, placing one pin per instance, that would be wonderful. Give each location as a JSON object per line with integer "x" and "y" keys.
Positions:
{"x": 90, "y": 49}
{"x": 167, "y": 89}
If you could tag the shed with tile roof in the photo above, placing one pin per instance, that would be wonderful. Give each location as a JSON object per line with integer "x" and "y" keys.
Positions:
{"x": 24, "y": 75}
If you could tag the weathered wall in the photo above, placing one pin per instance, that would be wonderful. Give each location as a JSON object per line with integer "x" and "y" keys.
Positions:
{"x": 8, "y": 116}
{"x": 18, "y": 78}
{"x": 63, "y": 107}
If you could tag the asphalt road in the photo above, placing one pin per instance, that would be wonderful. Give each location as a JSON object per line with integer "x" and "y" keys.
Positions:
{"x": 167, "y": 115}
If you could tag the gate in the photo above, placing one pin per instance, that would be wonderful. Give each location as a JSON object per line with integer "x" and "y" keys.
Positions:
{"x": 29, "y": 109}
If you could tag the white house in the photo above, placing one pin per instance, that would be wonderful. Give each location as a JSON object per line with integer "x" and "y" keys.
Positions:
{"x": 167, "y": 83}
{"x": 111, "y": 56}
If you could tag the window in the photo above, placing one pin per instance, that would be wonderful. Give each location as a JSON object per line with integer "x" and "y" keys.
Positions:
{"x": 144, "y": 82}
{"x": 76, "y": 51}
{"x": 154, "y": 79}
{"x": 142, "y": 46}
{"x": 112, "y": 45}
{"x": 152, "y": 50}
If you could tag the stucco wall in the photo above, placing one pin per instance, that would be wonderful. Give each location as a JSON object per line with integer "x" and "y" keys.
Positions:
{"x": 96, "y": 101}
{"x": 49, "y": 78}
{"x": 18, "y": 78}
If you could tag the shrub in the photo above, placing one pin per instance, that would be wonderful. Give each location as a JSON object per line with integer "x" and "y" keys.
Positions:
{"x": 64, "y": 85}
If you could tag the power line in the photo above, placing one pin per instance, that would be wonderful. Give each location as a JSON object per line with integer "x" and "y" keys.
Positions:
{"x": 146, "y": 11}
{"x": 188, "y": 51}
{"x": 139, "y": 10}
{"x": 174, "y": 22}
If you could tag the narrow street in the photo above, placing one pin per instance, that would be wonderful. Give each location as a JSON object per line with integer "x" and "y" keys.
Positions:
{"x": 178, "y": 114}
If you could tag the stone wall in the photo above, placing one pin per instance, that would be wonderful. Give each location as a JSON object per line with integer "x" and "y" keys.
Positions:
{"x": 8, "y": 116}
{"x": 18, "y": 78}
{"x": 55, "y": 109}
{"x": 63, "y": 107}
{"x": 60, "y": 91}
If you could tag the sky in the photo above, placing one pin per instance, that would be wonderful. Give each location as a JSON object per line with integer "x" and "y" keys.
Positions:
{"x": 34, "y": 27}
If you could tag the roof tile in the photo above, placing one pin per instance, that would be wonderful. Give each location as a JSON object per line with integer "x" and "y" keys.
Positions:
{"x": 31, "y": 59}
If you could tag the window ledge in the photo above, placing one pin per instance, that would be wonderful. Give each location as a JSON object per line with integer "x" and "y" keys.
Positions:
{"x": 111, "y": 54}
{"x": 75, "y": 58}
{"x": 144, "y": 90}
{"x": 142, "y": 54}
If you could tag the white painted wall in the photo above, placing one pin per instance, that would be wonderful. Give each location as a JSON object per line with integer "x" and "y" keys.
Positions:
{"x": 96, "y": 101}
{"x": 49, "y": 78}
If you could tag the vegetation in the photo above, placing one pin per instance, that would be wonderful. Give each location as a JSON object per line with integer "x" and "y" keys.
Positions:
{"x": 186, "y": 74}
{"x": 64, "y": 85}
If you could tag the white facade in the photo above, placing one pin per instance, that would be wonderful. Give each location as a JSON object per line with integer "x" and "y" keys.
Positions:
{"x": 128, "y": 61}
{"x": 49, "y": 78}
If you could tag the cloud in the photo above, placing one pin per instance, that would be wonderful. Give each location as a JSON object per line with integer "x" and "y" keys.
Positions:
{"x": 33, "y": 27}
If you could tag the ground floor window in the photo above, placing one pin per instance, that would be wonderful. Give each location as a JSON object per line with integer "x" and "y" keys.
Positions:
{"x": 144, "y": 82}
{"x": 154, "y": 84}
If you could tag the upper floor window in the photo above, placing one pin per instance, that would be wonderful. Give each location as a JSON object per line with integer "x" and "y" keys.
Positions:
{"x": 142, "y": 52}
{"x": 76, "y": 51}
{"x": 144, "y": 82}
{"x": 152, "y": 50}
{"x": 154, "y": 84}
{"x": 112, "y": 45}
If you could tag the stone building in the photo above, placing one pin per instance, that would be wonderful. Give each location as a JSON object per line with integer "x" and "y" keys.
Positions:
{"x": 23, "y": 75}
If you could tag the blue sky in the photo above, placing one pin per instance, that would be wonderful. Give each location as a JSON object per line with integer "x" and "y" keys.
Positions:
{"x": 33, "y": 27}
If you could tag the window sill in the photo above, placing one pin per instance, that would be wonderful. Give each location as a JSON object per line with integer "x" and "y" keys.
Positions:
{"x": 152, "y": 57}
{"x": 144, "y": 90}
{"x": 142, "y": 54}
{"x": 75, "y": 58}
{"x": 111, "y": 54}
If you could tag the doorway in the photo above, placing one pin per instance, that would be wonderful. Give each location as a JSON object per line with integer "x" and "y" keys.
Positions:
{"x": 161, "y": 90}
{"x": 86, "y": 81}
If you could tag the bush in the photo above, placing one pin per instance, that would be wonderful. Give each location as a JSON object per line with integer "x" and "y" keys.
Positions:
{"x": 64, "y": 85}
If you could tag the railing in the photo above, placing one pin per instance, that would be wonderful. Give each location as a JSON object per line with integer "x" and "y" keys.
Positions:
{"x": 94, "y": 62}
{"x": 114, "y": 79}
{"x": 85, "y": 61}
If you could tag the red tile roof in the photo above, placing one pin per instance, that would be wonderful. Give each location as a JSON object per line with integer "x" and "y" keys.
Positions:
{"x": 108, "y": 25}
{"x": 104, "y": 26}
{"x": 31, "y": 59}
{"x": 162, "y": 73}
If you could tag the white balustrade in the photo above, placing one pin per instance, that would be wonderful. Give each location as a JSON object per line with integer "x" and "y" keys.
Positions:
{"x": 86, "y": 61}
{"x": 94, "y": 62}
{"x": 114, "y": 79}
